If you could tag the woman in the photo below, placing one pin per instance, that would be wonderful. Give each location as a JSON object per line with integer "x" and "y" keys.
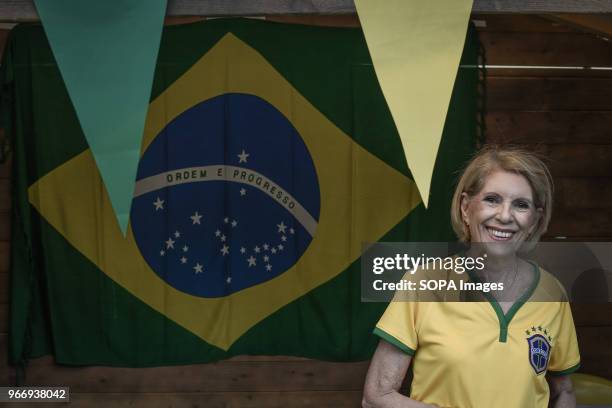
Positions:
{"x": 501, "y": 351}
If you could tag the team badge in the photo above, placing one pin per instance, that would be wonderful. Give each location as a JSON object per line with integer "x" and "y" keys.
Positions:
{"x": 539, "y": 349}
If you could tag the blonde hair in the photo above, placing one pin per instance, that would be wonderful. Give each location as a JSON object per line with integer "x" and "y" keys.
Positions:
{"x": 491, "y": 158}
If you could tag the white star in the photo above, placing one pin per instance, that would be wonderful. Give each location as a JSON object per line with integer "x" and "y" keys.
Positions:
{"x": 243, "y": 156}
{"x": 234, "y": 223}
{"x": 229, "y": 279}
{"x": 268, "y": 267}
{"x": 291, "y": 230}
{"x": 266, "y": 258}
{"x": 283, "y": 238}
{"x": 226, "y": 220}
{"x": 281, "y": 227}
{"x": 256, "y": 249}
{"x": 251, "y": 261}
{"x": 223, "y": 238}
{"x": 159, "y": 204}
{"x": 273, "y": 250}
{"x": 242, "y": 191}
{"x": 170, "y": 243}
{"x": 280, "y": 247}
{"x": 195, "y": 218}
{"x": 266, "y": 247}
{"x": 183, "y": 260}
{"x": 225, "y": 250}
{"x": 198, "y": 268}
{"x": 162, "y": 252}
{"x": 217, "y": 233}
{"x": 185, "y": 248}
{"x": 242, "y": 250}
{"x": 177, "y": 234}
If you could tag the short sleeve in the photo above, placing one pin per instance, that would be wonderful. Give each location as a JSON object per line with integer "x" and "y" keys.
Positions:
{"x": 565, "y": 358}
{"x": 398, "y": 325}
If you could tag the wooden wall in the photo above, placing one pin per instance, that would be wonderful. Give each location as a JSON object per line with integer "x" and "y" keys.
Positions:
{"x": 565, "y": 114}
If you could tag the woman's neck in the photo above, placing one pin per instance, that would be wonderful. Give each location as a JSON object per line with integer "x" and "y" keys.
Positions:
{"x": 495, "y": 266}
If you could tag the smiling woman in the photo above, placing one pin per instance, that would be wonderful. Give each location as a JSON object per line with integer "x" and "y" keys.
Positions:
{"x": 506, "y": 348}
{"x": 506, "y": 179}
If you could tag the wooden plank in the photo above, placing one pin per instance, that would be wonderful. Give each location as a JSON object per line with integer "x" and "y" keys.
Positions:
{"x": 578, "y": 160}
{"x": 223, "y": 376}
{"x": 595, "y": 350}
{"x": 301, "y": 399}
{"x": 3, "y": 36}
{"x": 578, "y": 222}
{"x": 545, "y": 94}
{"x": 592, "y": 314}
{"x": 246, "y": 358}
{"x": 521, "y": 23}
{"x": 5, "y": 194}
{"x": 530, "y": 72}
{"x": 541, "y": 6}
{"x": 5, "y": 226}
{"x": 576, "y": 238}
{"x": 4, "y": 317}
{"x": 177, "y": 20}
{"x": 343, "y": 20}
{"x": 4, "y": 256}
{"x": 515, "y": 127}
{"x": 24, "y": 10}
{"x": 4, "y": 288}
{"x": 7, "y": 373}
{"x": 598, "y": 24}
{"x": 585, "y": 193}
{"x": 552, "y": 49}
{"x": 5, "y": 169}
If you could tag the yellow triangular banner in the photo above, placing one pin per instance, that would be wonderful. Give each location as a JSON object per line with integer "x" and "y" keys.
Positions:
{"x": 416, "y": 47}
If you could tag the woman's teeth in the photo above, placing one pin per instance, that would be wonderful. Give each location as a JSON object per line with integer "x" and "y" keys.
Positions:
{"x": 500, "y": 234}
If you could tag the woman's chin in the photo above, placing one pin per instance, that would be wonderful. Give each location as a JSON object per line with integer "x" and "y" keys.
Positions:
{"x": 496, "y": 248}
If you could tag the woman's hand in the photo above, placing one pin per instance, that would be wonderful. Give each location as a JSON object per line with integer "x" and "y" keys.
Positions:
{"x": 385, "y": 375}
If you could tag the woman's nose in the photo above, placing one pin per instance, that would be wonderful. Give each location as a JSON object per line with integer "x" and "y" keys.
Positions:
{"x": 504, "y": 214}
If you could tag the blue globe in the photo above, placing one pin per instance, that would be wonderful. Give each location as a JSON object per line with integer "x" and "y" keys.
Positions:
{"x": 227, "y": 197}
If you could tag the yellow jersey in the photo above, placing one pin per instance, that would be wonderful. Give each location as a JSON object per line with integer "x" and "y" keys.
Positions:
{"x": 471, "y": 354}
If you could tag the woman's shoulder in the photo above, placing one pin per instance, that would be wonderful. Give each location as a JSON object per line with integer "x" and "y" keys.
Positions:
{"x": 549, "y": 288}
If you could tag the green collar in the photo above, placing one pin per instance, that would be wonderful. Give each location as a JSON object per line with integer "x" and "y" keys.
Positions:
{"x": 504, "y": 319}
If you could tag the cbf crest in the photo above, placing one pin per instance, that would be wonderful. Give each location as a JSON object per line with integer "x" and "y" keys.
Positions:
{"x": 539, "y": 344}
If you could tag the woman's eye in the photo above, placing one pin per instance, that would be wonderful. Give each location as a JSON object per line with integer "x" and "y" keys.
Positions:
{"x": 523, "y": 205}
{"x": 490, "y": 199}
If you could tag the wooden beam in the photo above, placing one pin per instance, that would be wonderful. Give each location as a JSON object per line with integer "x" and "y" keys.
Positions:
{"x": 24, "y": 10}
{"x": 599, "y": 24}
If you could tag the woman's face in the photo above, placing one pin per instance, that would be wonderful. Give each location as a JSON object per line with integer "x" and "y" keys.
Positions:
{"x": 503, "y": 212}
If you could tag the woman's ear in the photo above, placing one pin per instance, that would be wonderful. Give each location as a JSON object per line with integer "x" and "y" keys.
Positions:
{"x": 465, "y": 201}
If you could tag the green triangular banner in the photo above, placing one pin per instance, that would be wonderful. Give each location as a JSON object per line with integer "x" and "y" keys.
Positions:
{"x": 106, "y": 52}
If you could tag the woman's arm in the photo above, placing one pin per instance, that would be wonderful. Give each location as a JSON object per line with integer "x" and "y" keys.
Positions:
{"x": 561, "y": 392}
{"x": 385, "y": 375}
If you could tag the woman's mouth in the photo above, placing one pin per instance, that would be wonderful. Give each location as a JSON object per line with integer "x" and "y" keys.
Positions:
{"x": 499, "y": 235}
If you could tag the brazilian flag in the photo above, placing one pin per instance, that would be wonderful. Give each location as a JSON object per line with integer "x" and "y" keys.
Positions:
{"x": 269, "y": 157}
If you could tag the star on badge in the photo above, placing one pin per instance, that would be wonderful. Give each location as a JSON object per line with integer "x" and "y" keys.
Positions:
{"x": 196, "y": 218}
{"x": 159, "y": 204}
{"x": 243, "y": 156}
{"x": 251, "y": 261}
